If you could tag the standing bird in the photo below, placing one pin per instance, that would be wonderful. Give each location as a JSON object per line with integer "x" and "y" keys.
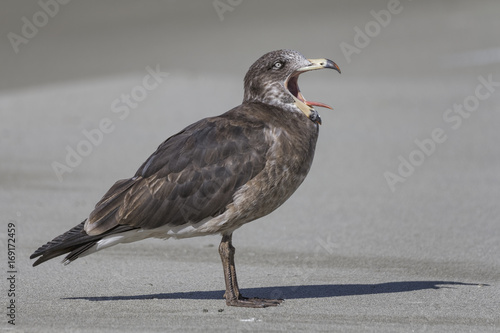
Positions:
{"x": 215, "y": 175}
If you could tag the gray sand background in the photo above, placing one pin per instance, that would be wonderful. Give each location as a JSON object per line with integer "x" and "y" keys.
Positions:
{"x": 346, "y": 252}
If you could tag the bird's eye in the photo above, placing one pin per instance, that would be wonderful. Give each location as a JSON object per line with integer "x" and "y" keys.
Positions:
{"x": 278, "y": 65}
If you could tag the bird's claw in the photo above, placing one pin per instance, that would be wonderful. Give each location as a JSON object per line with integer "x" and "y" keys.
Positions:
{"x": 253, "y": 302}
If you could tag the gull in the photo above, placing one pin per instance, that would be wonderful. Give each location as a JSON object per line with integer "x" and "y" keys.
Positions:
{"x": 215, "y": 175}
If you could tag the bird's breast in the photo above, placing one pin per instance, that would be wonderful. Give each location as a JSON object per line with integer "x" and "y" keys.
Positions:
{"x": 288, "y": 161}
{"x": 289, "y": 157}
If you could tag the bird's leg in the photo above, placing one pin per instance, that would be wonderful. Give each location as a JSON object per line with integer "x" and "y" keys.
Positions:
{"x": 232, "y": 295}
{"x": 226, "y": 251}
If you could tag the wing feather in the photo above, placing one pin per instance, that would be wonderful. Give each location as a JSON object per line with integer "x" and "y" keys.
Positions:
{"x": 191, "y": 176}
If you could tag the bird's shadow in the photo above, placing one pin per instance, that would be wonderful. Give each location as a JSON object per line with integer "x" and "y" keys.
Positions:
{"x": 295, "y": 292}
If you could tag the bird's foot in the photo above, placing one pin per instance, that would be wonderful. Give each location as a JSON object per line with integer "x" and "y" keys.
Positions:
{"x": 253, "y": 302}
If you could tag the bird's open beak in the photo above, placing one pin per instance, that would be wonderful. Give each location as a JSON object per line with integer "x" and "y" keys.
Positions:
{"x": 292, "y": 86}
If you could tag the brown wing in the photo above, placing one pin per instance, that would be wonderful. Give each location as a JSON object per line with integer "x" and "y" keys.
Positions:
{"x": 191, "y": 176}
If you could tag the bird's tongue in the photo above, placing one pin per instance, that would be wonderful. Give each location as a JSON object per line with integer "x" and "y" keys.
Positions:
{"x": 311, "y": 103}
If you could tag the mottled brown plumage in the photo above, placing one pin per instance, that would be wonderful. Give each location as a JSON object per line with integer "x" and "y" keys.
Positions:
{"x": 215, "y": 175}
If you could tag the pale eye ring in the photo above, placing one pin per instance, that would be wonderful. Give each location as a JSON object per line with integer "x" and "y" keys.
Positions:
{"x": 278, "y": 65}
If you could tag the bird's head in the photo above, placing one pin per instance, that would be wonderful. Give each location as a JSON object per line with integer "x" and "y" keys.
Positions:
{"x": 273, "y": 79}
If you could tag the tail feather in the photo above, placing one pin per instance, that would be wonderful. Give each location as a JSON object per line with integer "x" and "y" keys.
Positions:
{"x": 73, "y": 255}
{"x": 75, "y": 241}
